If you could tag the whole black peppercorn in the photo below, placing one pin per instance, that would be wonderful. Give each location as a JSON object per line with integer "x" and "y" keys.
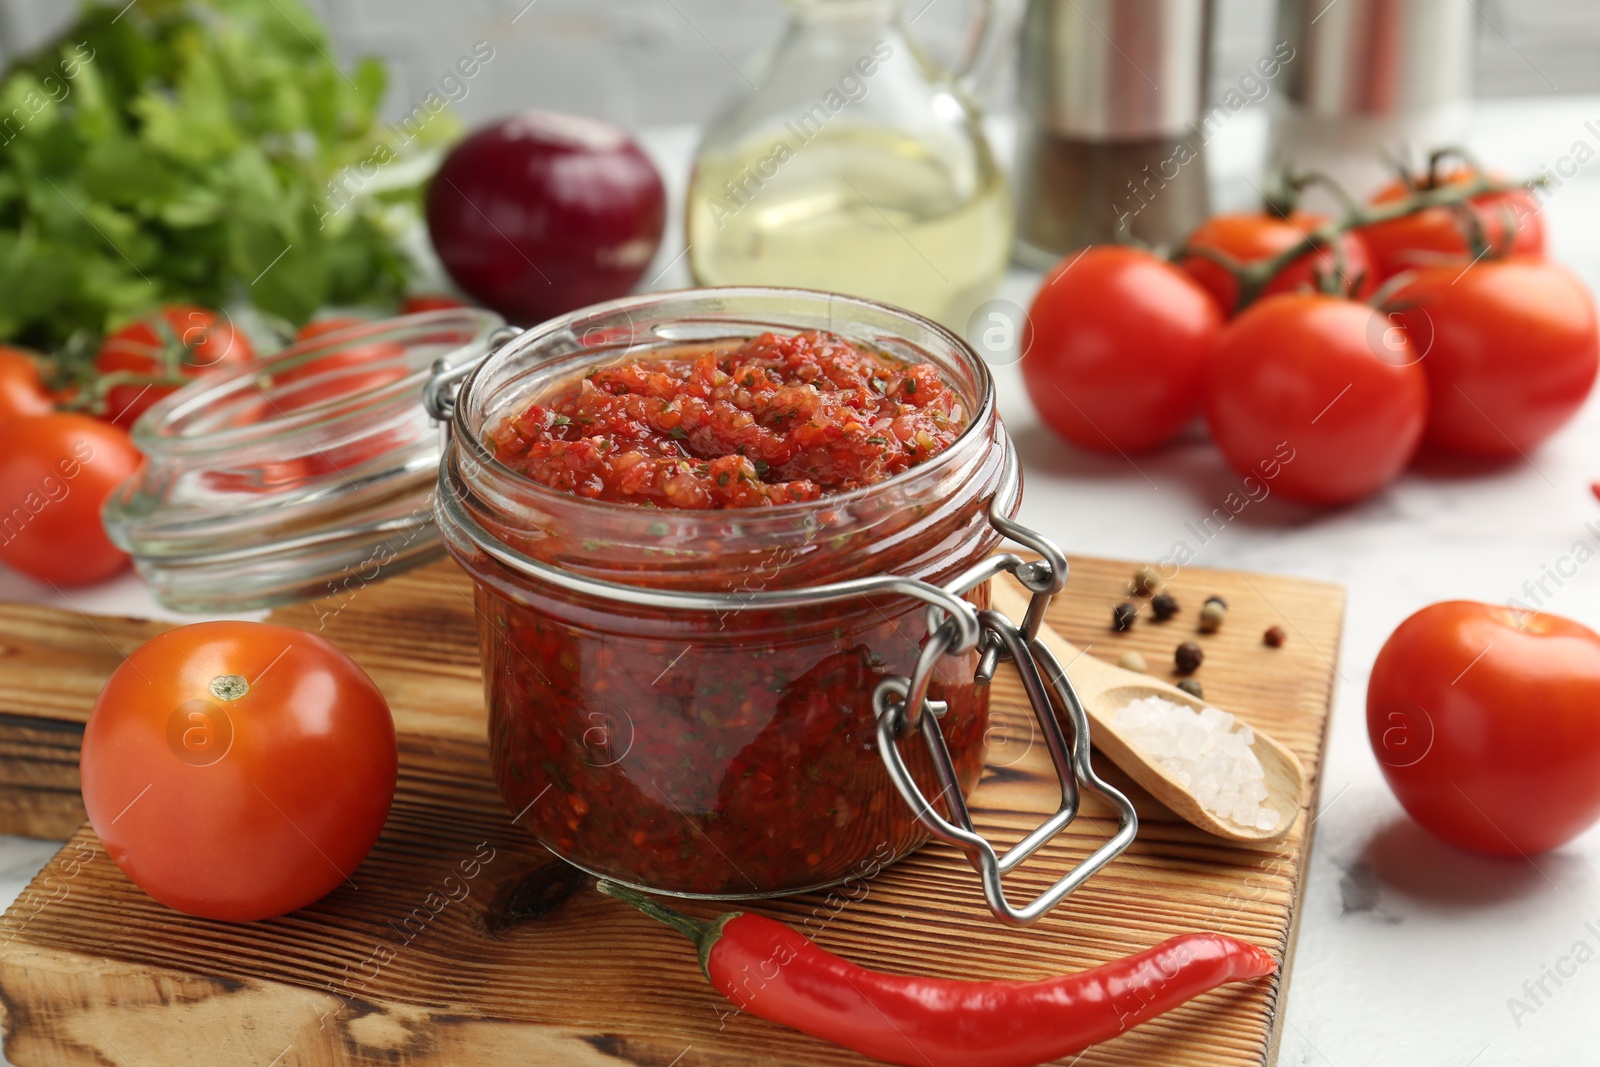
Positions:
{"x": 1165, "y": 605}
{"x": 1122, "y": 616}
{"x": 1146, "y": 580}
{"x": 1188, "y": 657}
{"x": 1274, "y": 637}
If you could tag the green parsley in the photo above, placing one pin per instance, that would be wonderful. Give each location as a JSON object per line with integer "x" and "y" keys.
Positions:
{"x": 199, "y": 151}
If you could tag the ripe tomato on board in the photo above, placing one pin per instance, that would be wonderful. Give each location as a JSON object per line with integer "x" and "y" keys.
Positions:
{"x": 179, "y": 340}
{"x": 1328, "y": 381}
{"x": 22, "y": 389}
{"x": 56, "y": 472}
{"x": 1251, "y": 237}
{"x": 1510, "y": 347}
{"x": 1437, "y": 234}
{"x": 1116, "y": 346}
{"x": 238, "y": 770}
{"x": 1486, "y": 723}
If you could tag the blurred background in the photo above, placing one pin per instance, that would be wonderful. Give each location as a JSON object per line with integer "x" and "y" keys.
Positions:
{"x": 653, "y": 62}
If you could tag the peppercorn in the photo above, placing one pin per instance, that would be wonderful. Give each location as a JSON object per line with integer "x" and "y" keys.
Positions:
{"x": 1193, "y": 687}
{"x": 1165, "y": 605}
{"x": 1212, "y": 616}
{"x": 1217, "y": 600}
{"x": 1122, "y": 616}
{"x": 1146, "y": 580}
{"x": 1188, "y": 657}
{"x": 1134, "y": 662}
{"x": 1274, "y": 637}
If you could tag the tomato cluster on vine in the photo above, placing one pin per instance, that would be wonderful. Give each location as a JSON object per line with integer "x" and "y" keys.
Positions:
{"x": 1426, "y": 318}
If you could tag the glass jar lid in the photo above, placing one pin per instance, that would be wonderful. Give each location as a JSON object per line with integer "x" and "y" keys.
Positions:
{"x": 302, "y": 474}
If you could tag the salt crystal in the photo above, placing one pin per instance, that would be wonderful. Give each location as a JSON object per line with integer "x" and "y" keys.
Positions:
{"x": 1205, "y": 753}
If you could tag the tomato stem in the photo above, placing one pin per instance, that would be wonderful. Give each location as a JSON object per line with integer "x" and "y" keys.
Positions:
{"x": 1253, "y": 278}
{"x": 92, "y": 392}
{"x": 1440, "y": 155}
{"x": 229, "y": 686}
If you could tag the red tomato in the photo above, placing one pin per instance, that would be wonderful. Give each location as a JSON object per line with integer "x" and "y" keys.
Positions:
{"x": 238, "y": 770}
{"x": 1251, "y": 237}
{"x": 177, "y": 342}
{"x": 1486, "y": 722}
{"x": 340, "y": 355}
{"x": 55, "y": 473}
{"x": 331, "y": 384}
{"x": 1115, "y": 347}
{"x": 1436, "y": 235}
{"x": 1321, "y": 392}
{"x": 346, "y": 371}
{"x": 1510, "y": 347}
{"x": 351, "y": 371}
{"x": 430, "y": 302}
{"x": 22, "y": 390}
{"x": 331, "y": 324}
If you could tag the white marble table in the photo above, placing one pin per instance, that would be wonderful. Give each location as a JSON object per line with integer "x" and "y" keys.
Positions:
{"x": 1409, "y": 951}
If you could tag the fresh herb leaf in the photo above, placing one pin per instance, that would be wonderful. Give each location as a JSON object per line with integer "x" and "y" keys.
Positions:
{"x": 198, "y": 151}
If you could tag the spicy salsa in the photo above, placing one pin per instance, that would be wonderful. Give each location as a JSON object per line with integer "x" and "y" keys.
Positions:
{"x": 775, "y": 420}
{"x": 727, "y": 752}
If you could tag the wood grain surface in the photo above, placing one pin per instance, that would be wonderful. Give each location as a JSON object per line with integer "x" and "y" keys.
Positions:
{"x": 463, "y": 942}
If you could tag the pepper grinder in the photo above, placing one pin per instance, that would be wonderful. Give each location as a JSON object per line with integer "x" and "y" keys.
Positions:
{"x": 1109, "y": 105}
{"x": 1371, "y": 78}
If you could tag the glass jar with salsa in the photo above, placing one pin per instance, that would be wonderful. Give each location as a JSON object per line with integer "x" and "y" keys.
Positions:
{"x": 729, "y": 546}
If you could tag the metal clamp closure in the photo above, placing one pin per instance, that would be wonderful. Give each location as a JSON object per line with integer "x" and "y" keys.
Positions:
{"x": 903, "y": 707}
{"x": 439, "y": 395}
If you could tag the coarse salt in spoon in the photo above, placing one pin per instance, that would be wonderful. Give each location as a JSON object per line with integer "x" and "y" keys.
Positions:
{"x": 1105, "y": 689}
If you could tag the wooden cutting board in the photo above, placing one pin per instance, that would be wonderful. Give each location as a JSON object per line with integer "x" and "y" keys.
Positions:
{"x": 523, "y": 962}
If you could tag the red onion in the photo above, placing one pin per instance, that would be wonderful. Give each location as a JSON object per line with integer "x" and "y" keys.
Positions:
{"x": 542, "y": 213}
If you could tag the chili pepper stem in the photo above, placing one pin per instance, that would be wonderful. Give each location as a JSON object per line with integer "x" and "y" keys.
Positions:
{"x": 703, "y": 934}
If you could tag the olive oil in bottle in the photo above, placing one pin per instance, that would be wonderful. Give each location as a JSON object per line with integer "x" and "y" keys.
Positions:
{"x": 867, "y": 211}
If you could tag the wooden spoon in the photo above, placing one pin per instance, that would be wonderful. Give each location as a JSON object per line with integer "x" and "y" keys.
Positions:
{"x": 1104, "y": 688}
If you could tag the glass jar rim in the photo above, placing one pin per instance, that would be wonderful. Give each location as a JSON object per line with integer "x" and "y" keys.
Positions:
{"x": 161, "y": 429}
{"x": 981, "y": 409}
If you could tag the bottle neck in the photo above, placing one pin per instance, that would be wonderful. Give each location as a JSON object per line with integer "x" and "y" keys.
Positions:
{"x": 854, "y": 12}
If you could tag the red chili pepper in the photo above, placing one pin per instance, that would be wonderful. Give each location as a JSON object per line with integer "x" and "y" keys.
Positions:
{"x": 770, "y": 970}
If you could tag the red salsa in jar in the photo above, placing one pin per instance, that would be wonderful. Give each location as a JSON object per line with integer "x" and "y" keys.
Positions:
{"x": 776, "y": 420}
{"x": 727, "y": 751}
